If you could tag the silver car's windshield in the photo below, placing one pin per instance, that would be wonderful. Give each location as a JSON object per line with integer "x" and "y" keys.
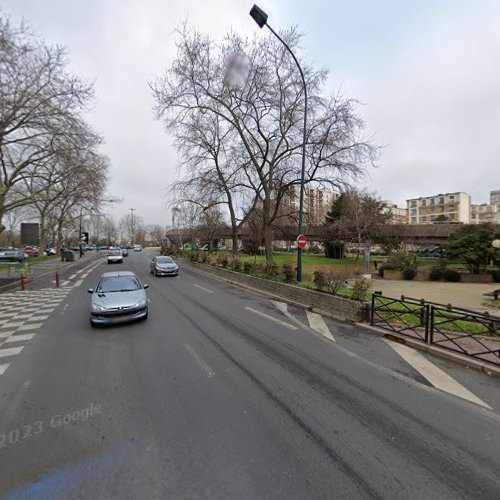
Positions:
{"x": 118, "y": 284}
{"x": 164, "y": 260}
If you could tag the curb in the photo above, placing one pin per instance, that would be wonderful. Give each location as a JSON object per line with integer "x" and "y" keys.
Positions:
{"x": 15, "y": 285}
{"x": 475, "y": 364}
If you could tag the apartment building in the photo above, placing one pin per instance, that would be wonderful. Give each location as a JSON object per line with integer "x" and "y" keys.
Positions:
{"x": 495, "y": 198}
{"x": 451, "y": 207}
{"x": 398, "y": 215}
{"x": 317, "y": 203}
{"x": 483, "y": 213}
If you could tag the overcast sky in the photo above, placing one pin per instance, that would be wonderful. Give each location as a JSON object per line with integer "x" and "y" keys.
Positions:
{"x": 427, "y": 73}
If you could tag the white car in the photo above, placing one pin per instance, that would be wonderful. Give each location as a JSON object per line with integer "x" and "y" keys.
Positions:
{"x": 137, "y": 248}
{"x": 115, "y": 256}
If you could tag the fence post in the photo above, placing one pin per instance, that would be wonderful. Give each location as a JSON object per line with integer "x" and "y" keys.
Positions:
{"x": 22, "y": 281}
{"x": 57, "y": 279}
{"x": 429, "y": 328}
{"x": 372, "y": 311}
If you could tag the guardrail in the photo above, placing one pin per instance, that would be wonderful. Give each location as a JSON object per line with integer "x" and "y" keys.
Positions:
{"x": 453, "y": 328}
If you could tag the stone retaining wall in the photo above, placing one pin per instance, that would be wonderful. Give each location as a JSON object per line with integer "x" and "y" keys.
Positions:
{"x": 345, "y": 309}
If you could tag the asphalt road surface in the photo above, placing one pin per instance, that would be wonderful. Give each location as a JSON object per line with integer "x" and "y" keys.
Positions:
{"x": 219, "y": 394}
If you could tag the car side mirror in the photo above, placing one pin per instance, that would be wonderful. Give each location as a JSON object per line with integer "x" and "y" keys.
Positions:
{"x": 90, "y": 290}
{"x": 145, "y": 286}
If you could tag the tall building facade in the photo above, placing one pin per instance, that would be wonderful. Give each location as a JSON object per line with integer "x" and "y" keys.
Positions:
{"x": 450, "y": 207}
{"x": 495, "y": 198}
{"x": 317, "y": 203}
{"x": 485, "y": 213}
{"x": 398, "y": 215}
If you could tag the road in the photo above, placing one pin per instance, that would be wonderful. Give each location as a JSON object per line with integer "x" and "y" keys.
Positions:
{"x": 224, "y": 394}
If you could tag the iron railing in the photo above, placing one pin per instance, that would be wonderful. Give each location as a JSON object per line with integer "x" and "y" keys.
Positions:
{"x": 461, "y": 330}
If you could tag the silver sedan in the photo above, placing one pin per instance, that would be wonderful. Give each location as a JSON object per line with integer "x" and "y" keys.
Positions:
{"x": 164, "y": 266}
{"x": 119, "y": 297}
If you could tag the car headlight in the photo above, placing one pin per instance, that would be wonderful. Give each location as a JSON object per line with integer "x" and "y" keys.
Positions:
{"x": 97, "y": 308}
{"x": 141, "y": 303}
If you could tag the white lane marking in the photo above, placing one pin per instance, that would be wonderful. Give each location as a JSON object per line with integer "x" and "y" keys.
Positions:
{"x": 317, "y": 323}
{"x": 210, "y": 373}
{"x": 32, "y": 326}
{"x": 264, "y": 315}
{"x": 3, "y": 368}
{"x": 437, "y": 377}
{"x": 64, "y": 308}
{"x": 203, "y": 288}
{"x": 73, "y": 276}
{"x": 283, "y": 307}
{"x": 6, "y": 334}
{"x": 39, "y": 318}
{"x": 64, "y": 283}
{"x": 20, "y": 338}
{"x": 78, "y": 283}
{"x": 11, "y": 351}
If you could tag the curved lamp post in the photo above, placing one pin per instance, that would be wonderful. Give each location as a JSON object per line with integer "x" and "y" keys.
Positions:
{"x": 260, "y": 17}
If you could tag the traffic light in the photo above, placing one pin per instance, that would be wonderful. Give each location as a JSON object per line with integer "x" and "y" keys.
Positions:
{"x": 85, "y": 238}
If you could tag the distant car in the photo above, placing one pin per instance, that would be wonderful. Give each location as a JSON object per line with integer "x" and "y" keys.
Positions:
{"x": 124, "y": 251}
{"x": 50, "y": 251}
{"x": 118, "y": 297}
{"x": 11, "y": 255}
{"x": 163, "y": 266}
{"x": 115, "y": 256}
{"x": 137, "y": 248}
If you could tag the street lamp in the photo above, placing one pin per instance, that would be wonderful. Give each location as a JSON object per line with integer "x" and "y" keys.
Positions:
{"x": 133, "y": 229}
{"x": 260, "y": 17}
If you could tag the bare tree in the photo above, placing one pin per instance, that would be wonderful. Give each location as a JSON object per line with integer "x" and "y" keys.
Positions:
{"x": 40, "y": 108}
{"x": 254, "y": 90}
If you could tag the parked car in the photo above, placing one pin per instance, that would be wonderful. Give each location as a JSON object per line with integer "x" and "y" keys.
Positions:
{"x": 50, "y": 251}
{"x": 137, "y": 248}
{"x": 115, "y": 257}
{"x": 11, "y": 255}
{"x": 124, "y": 251}
{"x": 163, "y": 266}
{"x": 118, "y": 297}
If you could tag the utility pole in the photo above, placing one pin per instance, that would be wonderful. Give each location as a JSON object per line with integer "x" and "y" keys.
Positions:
{"x": 80, "y": 232}
{"x": 133, "y": 228}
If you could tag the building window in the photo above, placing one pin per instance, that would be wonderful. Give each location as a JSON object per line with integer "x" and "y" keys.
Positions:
{"x": 424, "y": 219}
{"x": 452, "y": 198}
{"x": 441, "y": 200}
{"x": 414, "y": 211}
{"x": 451, "y": 217}
{"x": 424, "y": 203}
{"x": 432, "y": 210}
{"x": 432, "y": 201}
{"x": 441, "y": 209}
{"x": 423, "y": 211}
{"x": 413, "y": 203}
{"x": 433, "y": 217}
{"x": 414, "y": 220}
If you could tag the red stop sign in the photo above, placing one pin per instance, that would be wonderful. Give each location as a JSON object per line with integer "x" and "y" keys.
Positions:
{"x": 28, "y": 250}
{"x": 301, "y": 241}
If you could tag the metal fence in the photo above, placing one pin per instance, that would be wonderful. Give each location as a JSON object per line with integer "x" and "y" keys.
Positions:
{"x": 453, "y": 328}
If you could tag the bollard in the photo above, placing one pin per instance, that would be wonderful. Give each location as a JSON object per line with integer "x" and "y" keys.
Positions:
{"x": 57, "y": 279}
{"x": 22, "y": 281}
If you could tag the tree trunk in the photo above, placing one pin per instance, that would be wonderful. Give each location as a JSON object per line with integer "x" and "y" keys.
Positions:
{"x": 43, "y": 234}
{"x": 268, "y": 234}
{"x": 59, "y": 236}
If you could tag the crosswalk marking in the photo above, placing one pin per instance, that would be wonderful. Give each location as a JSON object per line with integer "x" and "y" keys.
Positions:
{"x": 20, "y": 338}
{"x": 437, "y": 377}
{"x": 317, "y": 323}
{"x": 29, "y": 326}
{"x": 3, "y": 368}
{"x": 11, "y": 351}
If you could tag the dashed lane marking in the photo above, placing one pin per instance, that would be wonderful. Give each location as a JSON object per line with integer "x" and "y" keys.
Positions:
{"x": 203, "y": 288}
{"x": 317, "y": 323}
{"x": 264, "y": 315}
{"x": 3, "y": 368}
{"x": 437, "y": 377}
{"x": 210, "y": 373}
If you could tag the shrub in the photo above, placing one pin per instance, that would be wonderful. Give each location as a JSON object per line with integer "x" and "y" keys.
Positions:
{"x": 204, "y": 257}
{"x": 288, "y": 273}
{"x": 409, "y": 273}
{"x": 331, "y": 279}
{"x": 271, "y": 270}
{"x": 236, "y": 264}
{"x": 359, "y": 289}
{"x": 495, "y": 273}
{"x": 452, "y": 275}
{"x": 225, "y": 261}
{"x": 436, "y": 274}
{"x": 248, "y": 267}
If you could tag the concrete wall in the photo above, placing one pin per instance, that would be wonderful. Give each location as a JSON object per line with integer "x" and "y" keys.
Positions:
{"x": 345, "y": 309}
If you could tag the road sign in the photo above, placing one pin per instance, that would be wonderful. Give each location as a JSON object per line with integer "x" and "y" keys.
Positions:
{"x": 301, "y": 241}
{"x": 28, "y": 250}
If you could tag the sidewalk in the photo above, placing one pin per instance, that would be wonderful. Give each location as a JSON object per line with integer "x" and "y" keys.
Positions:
{"x": 10, "y": 278}
{"x": 466, "y": 295}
